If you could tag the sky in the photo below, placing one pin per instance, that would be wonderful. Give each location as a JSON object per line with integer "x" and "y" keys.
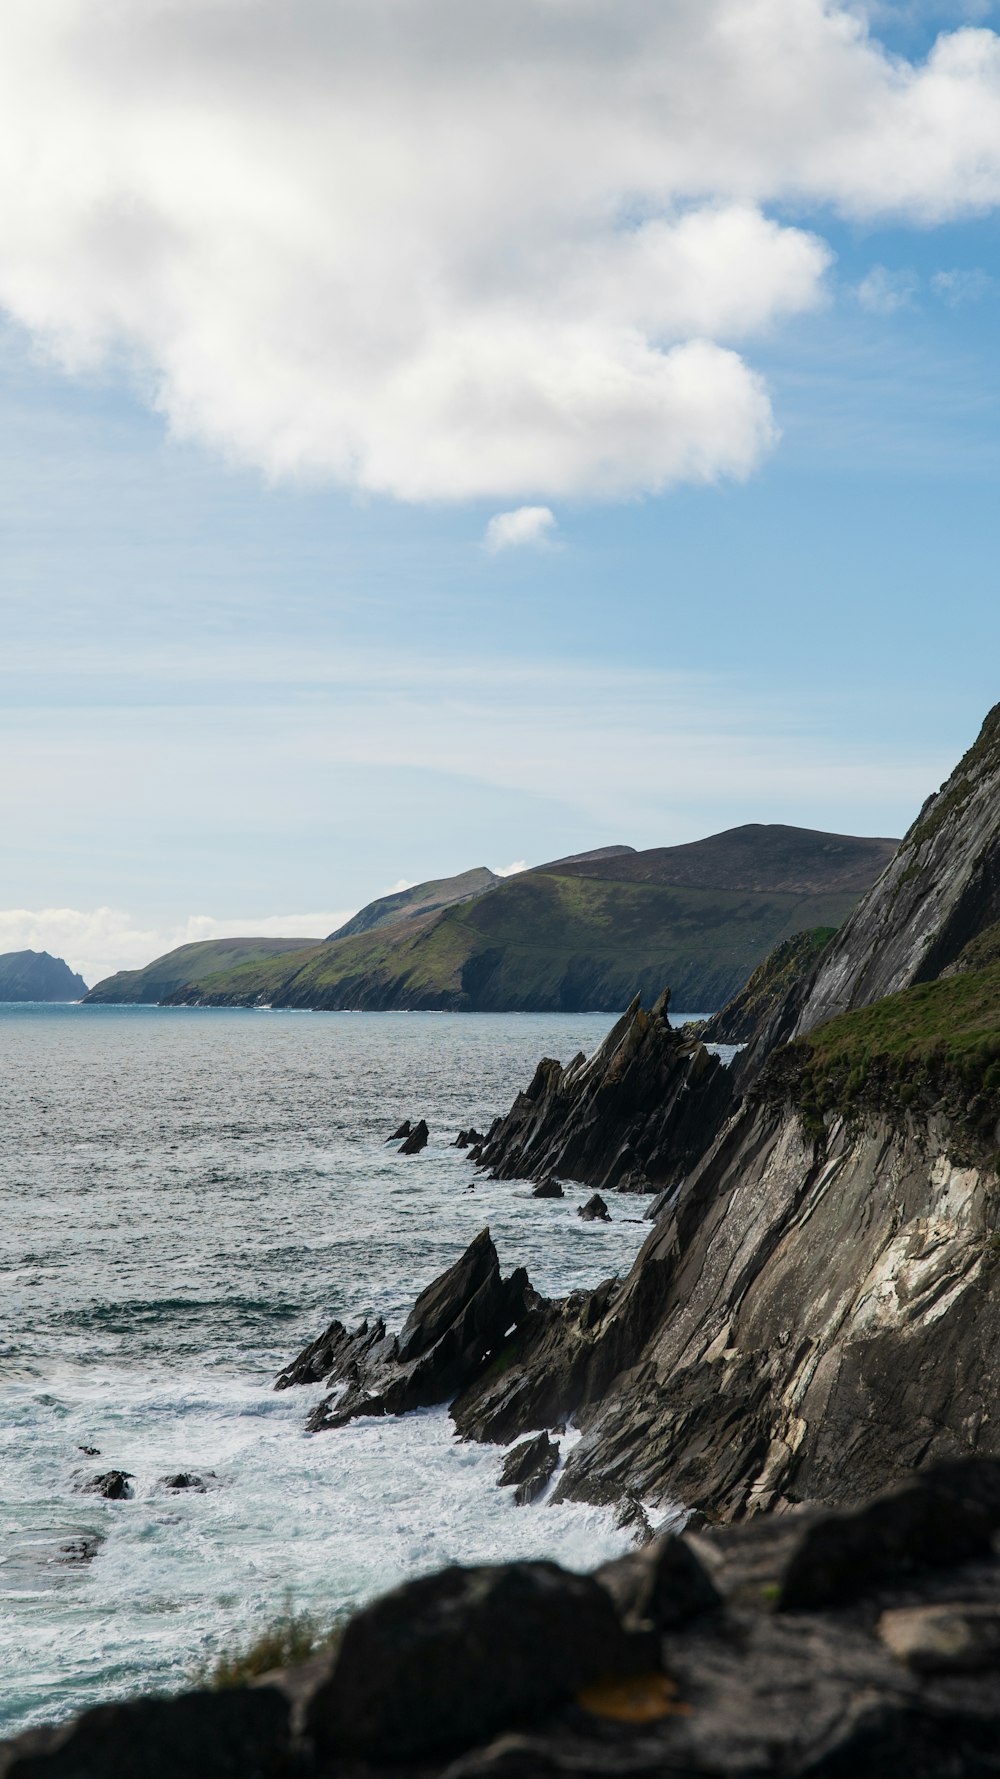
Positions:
{"x": 451, "y": 432}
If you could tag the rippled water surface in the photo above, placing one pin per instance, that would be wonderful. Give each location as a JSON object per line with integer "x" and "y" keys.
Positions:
{"x": 187, "y": 1198}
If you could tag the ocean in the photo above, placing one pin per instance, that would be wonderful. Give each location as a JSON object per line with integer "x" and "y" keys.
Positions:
{"x": 188, "y": 1197}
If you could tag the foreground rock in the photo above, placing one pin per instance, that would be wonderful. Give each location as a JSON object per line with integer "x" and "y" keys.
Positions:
{"x": 455, "y": 1328}
{"x": 634, "y": 1117}
{"x": 722, "y": 1655}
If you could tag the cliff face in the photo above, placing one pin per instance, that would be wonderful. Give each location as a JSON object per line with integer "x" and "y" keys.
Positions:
{"x": 815, "y": 1310}
{"x": 35, "y": 976}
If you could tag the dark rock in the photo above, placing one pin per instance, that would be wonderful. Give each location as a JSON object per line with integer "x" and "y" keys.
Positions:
{"x": 332, "y": 1356}
{"x": 456, "y": 1325}
{"x": 659, "y": 1587}
{"x": 840, "y": 1555}
{"x": 238, "y": 1734}
{"x": 529, "y": 1468}
{"x": 112, "y": 1484}
{"x": 416, "y": 1140}
{"x": 89, "y": 1451}
{"x": 632, "y": 1517}
{"x": 448, "y": 1660}
{"x": 401, "y": 1130}
{"x": 188, "y": 1479}
{"x": 467, "y": 1139}
{"x": 548, "y": 1189}
{"x": 595, "y": 1210}
{"x": 81, "y": 1550}
{"x": 635, "y": 1114}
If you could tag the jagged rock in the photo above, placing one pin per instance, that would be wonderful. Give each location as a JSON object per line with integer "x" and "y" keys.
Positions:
{"x": 595, "y": 1210}
{"x": 659, "y": 1587}
{"x": 89, "y": 1451}
{"x": 637, "y": 1113}
{"x": 416, "y": 1140}
{"x": 401, "y": 1130}
{"x": 456, "y": 1324}
{"x": 529, "y": 1468}
{"x": 467, "y": 1139}
{"x": 448, "y": 1660}
{"x": 82, "y": 1549}
{"x": 188, "y": 1479}
{"x": 114, "y": 1485}
{"x": 332, "y": 1356}
{"x": 632, "y": 1517}
{"x": 548, "y": 1189}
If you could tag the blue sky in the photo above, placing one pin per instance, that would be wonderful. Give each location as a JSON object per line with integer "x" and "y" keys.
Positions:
{"x": 243, "y": 684}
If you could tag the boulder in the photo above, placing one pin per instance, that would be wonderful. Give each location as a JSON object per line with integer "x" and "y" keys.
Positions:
{"x": 659, "y": 1587}
{"x": 448, "y": 1660}
{"x": 529, "y": 1467}
{"x": 549, "y": 1188}
{"x": 401, "y": 1130}
{"x": 416, "y": 1140}
{"x": 466, "y": 1139}
{"x": 243, "y": 1733}
{"x": 188, "y": 1479}
{"x": 595, "y": 1210}
{"x": 114, "y": 1485}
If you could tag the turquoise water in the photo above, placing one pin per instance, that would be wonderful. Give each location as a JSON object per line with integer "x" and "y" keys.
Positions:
{"x": 187, "y": 1197}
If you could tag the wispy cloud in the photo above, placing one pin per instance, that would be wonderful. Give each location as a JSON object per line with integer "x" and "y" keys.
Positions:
{"x": 883, "y": 292}
{"x": 962, "y": 285}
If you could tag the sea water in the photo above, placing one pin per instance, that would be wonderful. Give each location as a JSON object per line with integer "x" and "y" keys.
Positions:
{"x": 187, "y": 1198}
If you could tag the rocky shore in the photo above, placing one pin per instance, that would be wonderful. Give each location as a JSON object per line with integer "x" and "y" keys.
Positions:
{"x": 811, "y": 1645}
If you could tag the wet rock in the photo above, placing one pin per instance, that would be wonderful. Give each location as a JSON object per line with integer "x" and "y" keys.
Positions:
{"x": 455, "y": 1326}
{"x": 632, "y": 1517}
{"x": 957, "y": 1638}
{"x": 114, "y": 1485}
{"x": 467, "y": 1139}
{"x": 239, "y": 1734}
{"x": 188, "y": 1479}
{"x": 595, "y": 1210}
{"x": 529, "y": 1468}
{"x": 548, "y": 1189}
{"x": 448, "y": 1660}
{"x": 401, "y": 1130}
{"x": 82, "y": 1549}
{"x": 89, "y": 1451}
{"x": 659, "y": 1587}
{"x": 416, "y": 1140}
{"x": 332, "y": 1356}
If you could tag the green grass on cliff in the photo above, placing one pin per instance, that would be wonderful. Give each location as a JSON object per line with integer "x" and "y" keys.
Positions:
{"x": 544, "y": 942}
{"x": 936, "y": 1043}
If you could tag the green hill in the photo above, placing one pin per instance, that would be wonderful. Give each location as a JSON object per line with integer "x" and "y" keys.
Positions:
{"x": 420, "y": 898}
{"x": 579, "y": 935}
{"x": 188, "y": 964}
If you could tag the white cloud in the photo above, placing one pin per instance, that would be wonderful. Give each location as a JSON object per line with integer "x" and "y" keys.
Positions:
{"x": 513, "y": 870}
{"x": 883, "y": 292}
{"x": 99, "y": 941}
{"x": 525, "y": 525}
{"x": 960, "y": 286}
{"x": 442, "y": 251}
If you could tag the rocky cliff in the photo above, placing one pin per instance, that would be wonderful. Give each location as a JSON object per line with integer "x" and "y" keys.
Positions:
{"x": 35, "y": 976}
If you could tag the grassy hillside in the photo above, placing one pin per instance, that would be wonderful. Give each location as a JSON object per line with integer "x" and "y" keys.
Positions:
{"x": 542, "y": 941}
{"x": 758, "y": 856}
{"x": 419, "y": 899}
{"x": 189, "y": 963}
{"x": 36, "y": 976}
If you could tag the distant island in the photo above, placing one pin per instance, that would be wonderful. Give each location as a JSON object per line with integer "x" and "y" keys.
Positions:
{"x": 35, "y": 976}
{"x": 584, "y": 933}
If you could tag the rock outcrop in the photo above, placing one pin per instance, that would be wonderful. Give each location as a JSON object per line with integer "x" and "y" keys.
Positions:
{"x": 807, "y": 1645}
{"x": 456, "y": 1326}
{"x": 634, "y": 1116}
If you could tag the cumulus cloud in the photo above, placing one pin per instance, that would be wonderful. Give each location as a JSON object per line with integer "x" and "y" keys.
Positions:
{"x": 883, "y": 292}
{"x": 513, "y": 250}
{"x": 513, "y": 870}
{"x": 99, "y": 941}
{"x": 525, "y": 525}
